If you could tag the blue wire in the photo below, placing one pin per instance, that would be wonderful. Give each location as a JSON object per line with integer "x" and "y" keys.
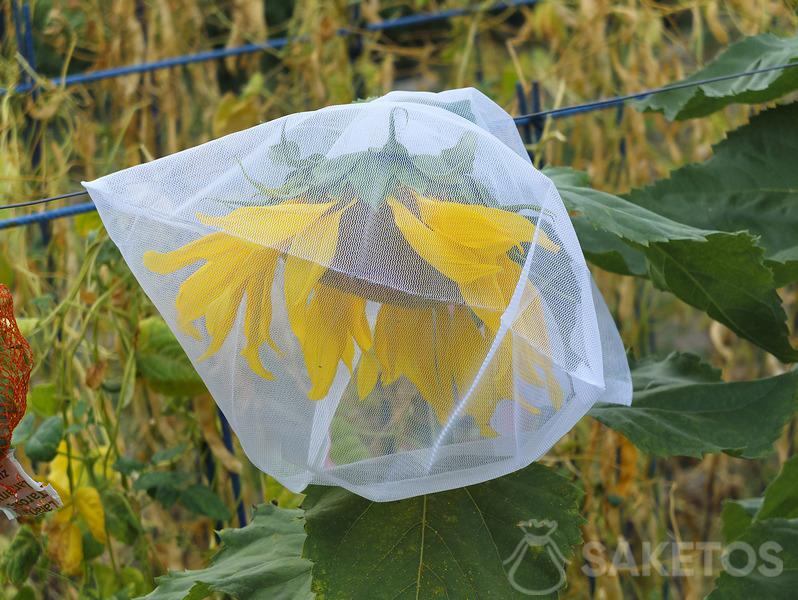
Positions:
{"x": 235, "y": 479}
{"x": 533, "y": 118}
{"x": 273, "y": 44}
{"x": 48, "y": 215}
{"x": 559, "y": 113}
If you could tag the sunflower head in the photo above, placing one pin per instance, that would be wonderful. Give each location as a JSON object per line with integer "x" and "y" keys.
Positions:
{"x": 382, "y": 279}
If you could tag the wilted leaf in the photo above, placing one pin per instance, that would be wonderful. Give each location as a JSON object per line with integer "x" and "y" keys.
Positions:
{"x": 746, "y": 55}
{"x": 88, "y": 504}
{"x": 464, "y": 543}
{"x": 750, "y": 183}
{"x": 262, "y": 561}
{"x": 679, "y": 409}
{"x": 43, "y": 443}
{"x": 21, "y": 555}
{"x": 65, "y": 546}
{"x": 163, "y": 363}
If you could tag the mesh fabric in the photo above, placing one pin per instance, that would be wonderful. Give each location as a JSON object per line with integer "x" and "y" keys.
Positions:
{"x": 385, "y": 296}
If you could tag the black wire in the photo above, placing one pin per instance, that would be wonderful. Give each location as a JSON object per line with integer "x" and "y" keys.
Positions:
{"x": 533, "y": 117}
{"x": 609, "y": 102}
{"x": 45, "y": 200}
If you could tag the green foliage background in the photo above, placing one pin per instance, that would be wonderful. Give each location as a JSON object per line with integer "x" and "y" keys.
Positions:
{"x": 685, "y": 207}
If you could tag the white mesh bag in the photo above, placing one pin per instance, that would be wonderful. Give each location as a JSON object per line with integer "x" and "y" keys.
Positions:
{"x": 385, "y": 296}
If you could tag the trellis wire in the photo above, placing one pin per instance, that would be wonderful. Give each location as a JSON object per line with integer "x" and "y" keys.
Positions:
{"x": 533, "y": 118}
{"x": 273, "y": 44}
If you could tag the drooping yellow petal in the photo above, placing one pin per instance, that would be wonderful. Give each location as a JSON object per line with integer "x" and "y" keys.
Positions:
{"x": 215, "y": 291}
{"x": 258, "y": 315}
{"x": 531, "y": 326}
{"x": 467, "y": 348}
{"x": 406, "y": 343}
{"x": 269, "y": 226}
{"x": 361, "y": 330}
{"x": 483, "y": 228}
{"x": 309, "y": 256}
{"x": 367, "y": 373}
{"x": 207, "y": 247}
{"x": 90, "y": 507}
{"x": 349, "y": 352}
{"x": 325, "y": 341}
{"x": 489, "y": 296}
{"x": 221, "y": 314}
{"x": 485, "y": 298}
{"x": 197, "y": 292}
{"x": 388, "y": 320}
{"x": 458, "y": 263}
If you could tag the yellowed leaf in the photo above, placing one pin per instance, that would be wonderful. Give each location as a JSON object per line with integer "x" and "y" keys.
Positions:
{"x": 65, "y": 546}
{"x": 89, "y": 506}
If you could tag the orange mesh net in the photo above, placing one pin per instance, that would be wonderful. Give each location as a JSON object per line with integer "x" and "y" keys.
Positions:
{"x": 16, "y": 362}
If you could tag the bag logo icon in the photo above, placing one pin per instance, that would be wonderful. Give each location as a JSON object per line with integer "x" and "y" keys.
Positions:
{"x": 537, "y": 534}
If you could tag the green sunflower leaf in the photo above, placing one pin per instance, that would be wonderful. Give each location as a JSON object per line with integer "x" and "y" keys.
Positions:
{"x": 723, "y": 274}
{"x": 750, "y": 184}
{"x": 261, "y": 561}
{"x": 473, "y": 542}
{"x": 749, "y": 54}
{"x": 680, "y": 407}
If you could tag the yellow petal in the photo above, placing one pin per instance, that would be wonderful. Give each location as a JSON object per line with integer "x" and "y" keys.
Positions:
{"x": 349, "y": 352}
{"x": 205, "y": 248}
{"x": 407, "y": 342}
{"x": 458, "y": 263}
{"x": 389, "y": 319}
{"x": 90, "y": 507}
{"x": 475, "y": 226}
{"x": 367, "y": 374}
{"x": 309, "y": 256}
{"x": 196, "y": 293}
{"x": 361, "y": 330}
{"x": 220, "y": 316}
{"x": 258, "y": 315}
{"x": 269, "y": 226}
{"x": 485, "y": 298}
{"x": 467, "y": 348}
{"x": 325, "y": 341}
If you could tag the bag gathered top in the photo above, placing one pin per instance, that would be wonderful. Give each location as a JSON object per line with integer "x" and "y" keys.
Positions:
{"x": 385, "y": 296}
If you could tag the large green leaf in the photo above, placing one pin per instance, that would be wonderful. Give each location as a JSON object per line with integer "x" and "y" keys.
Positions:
{"x": 769, "y": 525}
{"x": 750, "y": 183}
{"x": 723, "y": 274}
{"x": 464, "y": 543}
{"x": 261, "y": 561}
{"x": 680, "y": 407}
{"x": 162, "y": 362}
{"x": 746, "y": 55}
